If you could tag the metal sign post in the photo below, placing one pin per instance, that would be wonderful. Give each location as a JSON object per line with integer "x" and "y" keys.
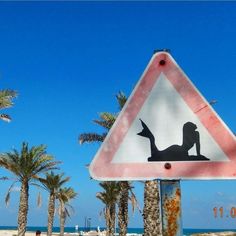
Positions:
{"x": 171, "y": 208}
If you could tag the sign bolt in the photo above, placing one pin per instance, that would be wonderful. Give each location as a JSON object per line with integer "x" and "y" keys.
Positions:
{"x": 162, "y": 62}
{"x": 167, "y": 166}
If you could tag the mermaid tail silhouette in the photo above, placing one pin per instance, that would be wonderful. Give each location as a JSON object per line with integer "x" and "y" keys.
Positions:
{"x": 146, "y": 132}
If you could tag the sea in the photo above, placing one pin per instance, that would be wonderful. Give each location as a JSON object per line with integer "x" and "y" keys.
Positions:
{"x": 139, "y": 231}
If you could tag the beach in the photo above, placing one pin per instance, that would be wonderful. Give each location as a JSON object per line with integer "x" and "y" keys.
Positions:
{"x": 28, "y": 233}
{"x": 94, "y": 233}
{"x": 31, "y": 233}
{"x": 216, "y": 234}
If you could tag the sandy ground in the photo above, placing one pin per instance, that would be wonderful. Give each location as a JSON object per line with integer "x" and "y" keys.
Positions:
{"x": 216, "y": 234}
{"x": 14, "y": 233}
{"x": 94, "y": 233}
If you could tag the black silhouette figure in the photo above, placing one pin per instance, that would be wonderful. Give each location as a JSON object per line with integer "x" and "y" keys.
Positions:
{"x": 176, "y": 152}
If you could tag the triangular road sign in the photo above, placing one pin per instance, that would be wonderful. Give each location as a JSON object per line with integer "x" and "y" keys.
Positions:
{"x": 166, "y": 130}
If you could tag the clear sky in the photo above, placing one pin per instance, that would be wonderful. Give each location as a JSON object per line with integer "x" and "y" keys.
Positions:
{"x": 67, "y": 60}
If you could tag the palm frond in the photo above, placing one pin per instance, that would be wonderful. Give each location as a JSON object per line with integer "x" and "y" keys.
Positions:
{"x": 105, "y": 124}
{"x": 6, "y": 97}
{"x": 107, "y": 116}
{"x": 64, "y": 195}
{"x": 5, "y": 117}
{"x": 69, "y": 210}
{"x": 121, "y": 99}
{"x": 8, "y": 195}
{"x": 99, "y": 195}
{"x": 106, "y": 120}
{"x": 91, "y": 137}
{"x": 7, "y": 198}
{"x": 101, "y": 213}
{"x": 53, "y": 182}
{"x": 110, "y": 194}
{"x": 134, "y": 203}
{"x": 29, "y": 162}
{"x": 10, "y": 161}
{"x": 39, "y": 200}
{"x": 4, "y": 178}
{"x": 68, "y": 214}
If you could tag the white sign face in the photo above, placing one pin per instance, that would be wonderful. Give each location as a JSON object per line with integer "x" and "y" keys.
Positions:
{"x": 166, "y": 130}
{"x": 165, "y": 113}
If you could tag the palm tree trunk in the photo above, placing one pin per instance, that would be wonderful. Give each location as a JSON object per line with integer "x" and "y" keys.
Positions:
{"x": 112, "y": 219}
{"x": 51, "y": 209}
{"x": 123, "y": 208}
{"x": 108, "y": 219}
{"x": 62, "y": 222}
{"x": 23, "y": 208}
{"x": 110, "y": 216}
{"x": 151, "y": 211}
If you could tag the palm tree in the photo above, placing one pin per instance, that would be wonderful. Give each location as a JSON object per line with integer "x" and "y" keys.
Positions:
{"x": 64, "y": 196}
{"x": 151, "y": 210}
{"x": 26, "y": 165}
{"x": 52, "y": 183}
{"x": 106, "y": 120}
{"x": 125, "y": 194}
{"x": 109, "y": 197}
{"x": 6, "y": 97}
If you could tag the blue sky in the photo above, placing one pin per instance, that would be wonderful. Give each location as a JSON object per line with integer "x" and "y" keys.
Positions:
{"x": 67, "y": 60}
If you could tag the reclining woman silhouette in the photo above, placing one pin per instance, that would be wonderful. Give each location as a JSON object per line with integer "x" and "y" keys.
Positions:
{"x": 176, "y": 152}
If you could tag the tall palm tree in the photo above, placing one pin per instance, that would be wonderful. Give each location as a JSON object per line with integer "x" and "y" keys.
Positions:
{"x": 109, "y": 197}
{"x": 126, "y": 194}
{"x": 26, "y": 165}
{"x": 64, "y": 196}
{"x": 106, "y": 120}
{"x": 151, "y": 210}
{"x": 52, "y": 183}
{"x": 6, "y": 97}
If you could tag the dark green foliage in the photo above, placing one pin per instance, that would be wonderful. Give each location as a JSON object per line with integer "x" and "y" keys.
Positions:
{"x": 6, "y": 101}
